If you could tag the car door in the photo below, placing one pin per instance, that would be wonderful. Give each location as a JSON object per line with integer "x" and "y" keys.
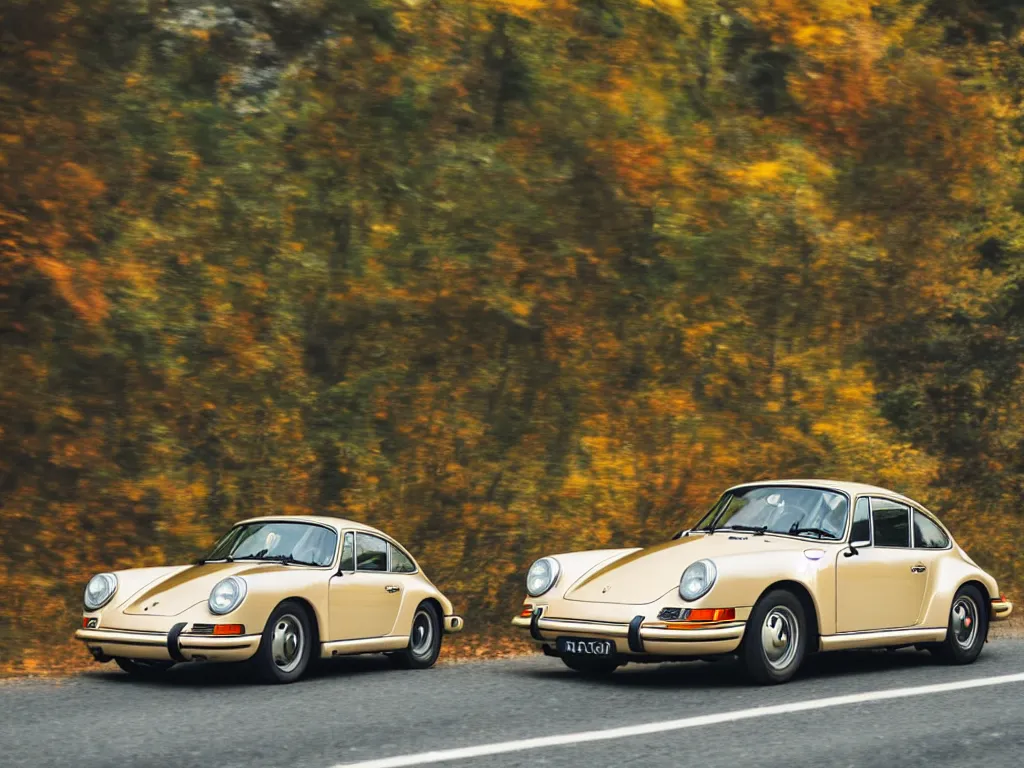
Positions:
{"x": 883, "y": 585}
{"x": 364, "y": 597}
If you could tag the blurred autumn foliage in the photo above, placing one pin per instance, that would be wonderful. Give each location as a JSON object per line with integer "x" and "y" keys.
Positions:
{"x": 503, "y": 277}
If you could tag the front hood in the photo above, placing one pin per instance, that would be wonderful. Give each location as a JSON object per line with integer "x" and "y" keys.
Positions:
{"x": 180, "y": 590}
{"x": 647, "y": 574}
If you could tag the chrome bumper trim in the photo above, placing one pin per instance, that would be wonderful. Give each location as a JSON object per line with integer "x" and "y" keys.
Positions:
{"x": 1001, "y": 610}
{"x": 185, "y": 642}
{"x": 546, "y": 628}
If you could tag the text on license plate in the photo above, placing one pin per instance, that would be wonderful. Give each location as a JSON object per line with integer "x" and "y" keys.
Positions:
{"x": 583, "y": 647}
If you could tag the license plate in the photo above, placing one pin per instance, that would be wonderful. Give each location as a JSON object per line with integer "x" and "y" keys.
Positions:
{"x": 575, "y": 646}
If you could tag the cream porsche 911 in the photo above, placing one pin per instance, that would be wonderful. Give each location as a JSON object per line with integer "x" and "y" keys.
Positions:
{"x": 276, "y": 591}
{"x": 774, "y": 571}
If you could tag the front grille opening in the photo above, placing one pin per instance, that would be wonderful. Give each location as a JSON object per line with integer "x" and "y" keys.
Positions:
{"x": 672, "y": 614}
{"x": 201, "y": 629}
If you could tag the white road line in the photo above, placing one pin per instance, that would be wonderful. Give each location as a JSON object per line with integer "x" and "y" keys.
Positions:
{"x": 565, "y": 739}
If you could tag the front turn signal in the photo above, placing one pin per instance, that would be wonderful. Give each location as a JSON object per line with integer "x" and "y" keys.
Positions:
{"x": 526, "y": 612}
{"x": 711, "y": 614}
{"x": 229, "y": 629}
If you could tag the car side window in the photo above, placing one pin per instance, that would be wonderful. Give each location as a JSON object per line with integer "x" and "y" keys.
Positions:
{"x": 928, "y": 535}
{"x": 371, "y": 553}
{"x": 400, "y": 563}
{"x": 348, "y": 559}
{"x": 861, "y": 530}
{"x": 891, "y": 523}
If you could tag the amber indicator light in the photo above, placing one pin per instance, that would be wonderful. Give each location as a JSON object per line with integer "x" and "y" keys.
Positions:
{"x": 712, "y": 614}
{"x": 698, "y": 616}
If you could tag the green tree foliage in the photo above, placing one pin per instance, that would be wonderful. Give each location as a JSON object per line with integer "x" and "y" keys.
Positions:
{"x": 500, "y": 276}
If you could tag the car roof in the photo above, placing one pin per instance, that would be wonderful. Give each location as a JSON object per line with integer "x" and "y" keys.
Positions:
{"x": 333, "y": 522}
{"x": 853, "y": 489}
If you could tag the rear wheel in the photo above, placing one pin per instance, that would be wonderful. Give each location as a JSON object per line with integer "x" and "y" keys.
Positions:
{"x": 591, "y": 667}
{"x": 287, "y": 644}
{"x": 424, "y": 640}
{"x": 776, "y": 638}
{"x": 144, "y": 668}
{"x": 968, "y": 627}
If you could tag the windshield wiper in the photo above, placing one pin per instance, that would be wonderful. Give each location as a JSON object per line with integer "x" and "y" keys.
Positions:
{"x": 288, "y": 560}
{"x": 205, "y": 560}
{"x": 757, "y": 530}
{"x": 822, "y": 533}
{"x": 284, "y": 559}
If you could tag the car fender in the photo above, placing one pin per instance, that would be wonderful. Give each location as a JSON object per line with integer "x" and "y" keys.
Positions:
{"x": 417, "y": 588}
{"x": 267, "y": 590}
{"x": 131, "y": 581}
{"x": 949, "y": 574}
{"x": 574, "y": 566}
{"x": 744, "y": 578}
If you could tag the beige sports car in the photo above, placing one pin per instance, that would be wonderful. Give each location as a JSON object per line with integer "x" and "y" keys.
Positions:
{"x": 276, "y": 591}
{"x": 774, "y": 571}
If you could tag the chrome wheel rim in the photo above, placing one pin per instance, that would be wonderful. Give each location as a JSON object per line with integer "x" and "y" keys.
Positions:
{"x": 422, "y": 634}
{"x": 288, "y": 642}
{"x": 964, "y": 619}
{"x": 780, "y": 636}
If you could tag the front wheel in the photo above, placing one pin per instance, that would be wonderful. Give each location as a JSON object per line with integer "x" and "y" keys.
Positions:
{"x": 286, "y": 645}
{"x": 143, "y": 668}
{"x": 424, "y": 640}
{"x": 590, "y": 667}
{"x": 967, "y": 629}
{"x": 776, "y": 638}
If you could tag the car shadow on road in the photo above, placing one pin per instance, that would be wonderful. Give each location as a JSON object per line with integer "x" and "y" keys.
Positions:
{"x": 728, "y": 672}
{"x": 205, "y": 675}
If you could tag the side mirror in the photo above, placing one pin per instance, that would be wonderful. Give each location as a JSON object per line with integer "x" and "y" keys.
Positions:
{"x": 855, "y": 548}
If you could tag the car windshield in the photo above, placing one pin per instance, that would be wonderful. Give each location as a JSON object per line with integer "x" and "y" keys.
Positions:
{"x": 296, "y": 543}
{"x": 795, "y": 511}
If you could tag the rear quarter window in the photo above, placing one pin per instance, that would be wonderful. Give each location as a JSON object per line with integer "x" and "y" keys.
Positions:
{"x": 928, "y": 535}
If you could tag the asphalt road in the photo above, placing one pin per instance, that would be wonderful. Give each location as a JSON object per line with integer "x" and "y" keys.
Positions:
{"x": 360, "y": 709}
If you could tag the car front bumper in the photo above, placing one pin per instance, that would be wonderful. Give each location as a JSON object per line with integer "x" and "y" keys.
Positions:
{"x": 176, "y": 645}
{"x": 639, "y": 637}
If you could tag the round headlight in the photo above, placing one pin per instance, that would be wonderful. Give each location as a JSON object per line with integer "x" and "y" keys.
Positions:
{"x": 227, "y": 595}
{"x": 542, "y": 576}
{"x": 99, "y": 590}
{"x": 697, "y": 579}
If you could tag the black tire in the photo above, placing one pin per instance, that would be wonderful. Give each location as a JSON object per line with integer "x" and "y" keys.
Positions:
{"x": 770, "y": 652}
{"x": 144, "y": 668}
{"x": 964, "y": 639}
{"x": 590, "y": 667}
{"x": 424, "y": 640}
{"x": 287, "y": 644}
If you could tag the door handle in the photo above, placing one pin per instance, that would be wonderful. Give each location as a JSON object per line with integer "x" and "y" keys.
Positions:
{"x": 917, "y": 569}
{"x": 391, "y": 589}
